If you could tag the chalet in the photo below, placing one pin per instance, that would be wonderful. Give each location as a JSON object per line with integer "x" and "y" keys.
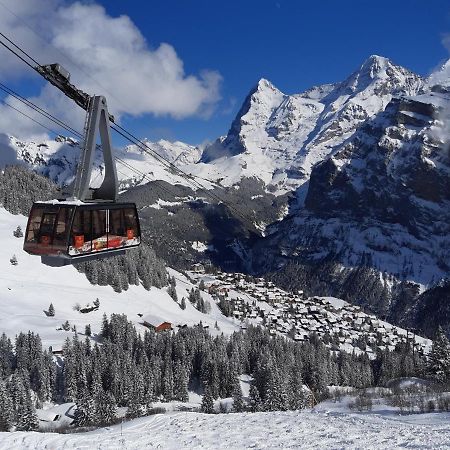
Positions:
{"x": 156, "y": 325}
{"x": 198, "y": 268}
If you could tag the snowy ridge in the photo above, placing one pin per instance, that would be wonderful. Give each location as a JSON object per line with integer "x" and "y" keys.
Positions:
{"x": 279, "y": 137}
{"x": 275, "y": 137}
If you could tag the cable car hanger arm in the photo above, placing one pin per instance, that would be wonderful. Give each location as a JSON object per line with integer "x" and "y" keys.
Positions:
{"x": 60, "y": 78}
{"x": 97, "y": 119}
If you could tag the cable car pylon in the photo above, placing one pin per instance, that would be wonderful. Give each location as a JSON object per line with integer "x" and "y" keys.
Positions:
{"x": 87, "y": 223}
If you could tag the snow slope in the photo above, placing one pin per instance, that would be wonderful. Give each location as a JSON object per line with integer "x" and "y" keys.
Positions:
{"x": 319, "y": 429}
{"x": 26, "y": 290}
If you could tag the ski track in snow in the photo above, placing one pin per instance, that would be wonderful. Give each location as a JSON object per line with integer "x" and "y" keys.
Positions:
{"x": 294, "y": 429}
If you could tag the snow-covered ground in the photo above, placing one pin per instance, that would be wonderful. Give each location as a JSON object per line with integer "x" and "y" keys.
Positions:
{"x": 27, "y": 289}
{"x": 326, "y": 428}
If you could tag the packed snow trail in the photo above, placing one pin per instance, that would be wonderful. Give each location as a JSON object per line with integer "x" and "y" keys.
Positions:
{"x": 293, "y": 429}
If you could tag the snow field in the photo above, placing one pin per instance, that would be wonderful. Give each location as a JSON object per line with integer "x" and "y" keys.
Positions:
{"x": 26, "y": 290}
{"x": 316, "y": 429}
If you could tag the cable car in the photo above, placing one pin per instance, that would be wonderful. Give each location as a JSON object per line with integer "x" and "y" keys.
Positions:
{"x": 71, "y": 231}
{"x": 87, "y": 223}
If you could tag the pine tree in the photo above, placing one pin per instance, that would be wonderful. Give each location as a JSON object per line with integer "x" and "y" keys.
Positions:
{"x": 183, "y": 303}
{"x": 106, "y": 409}
{"x": 18, "y": 232}
{"x": 238, "y": 399}
{"x": 105, "y": 327}
{"x": 6, "y": 409}
{"x": 85, "y": 413}
{"x": 180, "y": 383}
{"x": 171, "y": 290}
{"x": 51, "y": 310}
{"x": 87, "y": 330}
{"x": 254, "y": 399}
{"x": 134, "y": 410}
{"x": 207, "y": 402}
{"x": 296, "y": 394}
{"x": 168, "y": 380}
{"x": 27, "y": 419}
{"x": 276, "y": 397}
{"x": 439, "y": 358}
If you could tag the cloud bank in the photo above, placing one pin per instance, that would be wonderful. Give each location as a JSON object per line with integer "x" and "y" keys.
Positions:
{"x": 105, "y": 55}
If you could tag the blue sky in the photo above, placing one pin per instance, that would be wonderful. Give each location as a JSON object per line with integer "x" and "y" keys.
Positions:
{"x": 294, "y": 44}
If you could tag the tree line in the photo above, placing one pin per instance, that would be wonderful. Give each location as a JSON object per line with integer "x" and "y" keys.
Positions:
{"x": 127, "y": 369}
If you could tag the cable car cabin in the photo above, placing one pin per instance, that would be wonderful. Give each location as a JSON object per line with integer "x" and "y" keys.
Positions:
{"x": 67, "y": 232}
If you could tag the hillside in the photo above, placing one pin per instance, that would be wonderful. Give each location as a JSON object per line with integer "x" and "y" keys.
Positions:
{"x": 26, "y": 291}
{"x": 329, "y": 427}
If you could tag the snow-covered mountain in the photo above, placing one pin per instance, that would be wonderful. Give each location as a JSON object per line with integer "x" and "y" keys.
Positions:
{"x": 57, "y": 159}
{"x": 353, "y": 177}
{"x": 373, "y": 227}
{"x": 275, "y": 137}
{"x": 280, "y": 137}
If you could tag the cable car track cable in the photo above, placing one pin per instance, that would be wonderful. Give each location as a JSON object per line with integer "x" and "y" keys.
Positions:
{"x": 59, "y": 122}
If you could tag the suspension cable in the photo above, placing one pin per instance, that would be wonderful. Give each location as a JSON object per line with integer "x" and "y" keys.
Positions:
{"x": 133, "y": 139}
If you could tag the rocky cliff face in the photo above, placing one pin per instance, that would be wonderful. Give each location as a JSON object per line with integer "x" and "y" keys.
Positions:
{"x": 280, "y": 137}
{"x": 375, "y": 224}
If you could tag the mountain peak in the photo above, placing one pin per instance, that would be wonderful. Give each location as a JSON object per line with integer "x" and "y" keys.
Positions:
{"x": 441, "y": 76}
{"x": 264, "y": 85}
{"x": 375, "y": 64}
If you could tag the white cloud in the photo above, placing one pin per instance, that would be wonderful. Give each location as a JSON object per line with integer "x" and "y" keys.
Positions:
{"x": 105, "y": 55}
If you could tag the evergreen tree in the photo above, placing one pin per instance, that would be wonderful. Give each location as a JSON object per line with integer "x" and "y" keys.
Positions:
{"x": 18, "y": 232}
{"x": 254, "y": 399}
{"x": 85, "y": 414}
{"x": 27, "y": 419}
{"x": 296, "y": 394}
{"x": 135, "y": 409}
{"x": 180, "y": 383}
{"x": 207, "y": 401}
{"x": 183, "y": 303}
{"x": 105, "y": 327}
{"x": 51, "y": 310}
{"x": 87, "y": 330}
{"x": 168, "y": 380}
{"x": 106, "y": 409}
{"x": 439, "y": 358}
{"x": 238, "y": 399}
{"x": 6, "y": 409}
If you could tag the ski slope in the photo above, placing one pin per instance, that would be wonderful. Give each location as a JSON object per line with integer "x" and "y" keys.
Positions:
{"x": 325, "y": 428}
{"x": 26, "y": 291}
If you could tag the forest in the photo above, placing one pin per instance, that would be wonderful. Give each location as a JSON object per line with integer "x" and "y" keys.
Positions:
{"x": 122, "y": 368}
